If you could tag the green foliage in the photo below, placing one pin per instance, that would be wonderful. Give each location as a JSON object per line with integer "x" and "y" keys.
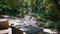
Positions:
{"x": 43, "y": 10}
{"x": 50, "y": 24}
{"x": 8, "y": 7}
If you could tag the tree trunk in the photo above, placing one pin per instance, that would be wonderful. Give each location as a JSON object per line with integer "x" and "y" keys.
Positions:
{"x": 56, "y": 6}
{"x": 57, "y": 9}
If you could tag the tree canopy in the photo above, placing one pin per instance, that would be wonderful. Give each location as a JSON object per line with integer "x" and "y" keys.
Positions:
{"x": 44, "y": 10}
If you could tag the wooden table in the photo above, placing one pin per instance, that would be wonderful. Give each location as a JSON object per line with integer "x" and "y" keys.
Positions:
{"x": 4, "y": 25}
{"x": 28, "y": 30}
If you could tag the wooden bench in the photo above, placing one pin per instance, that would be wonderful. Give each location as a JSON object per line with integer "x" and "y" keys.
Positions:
{"x": 4, "y": 25}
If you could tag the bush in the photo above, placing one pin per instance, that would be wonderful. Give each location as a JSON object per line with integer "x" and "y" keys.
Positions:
{"x": 50, "y": 24}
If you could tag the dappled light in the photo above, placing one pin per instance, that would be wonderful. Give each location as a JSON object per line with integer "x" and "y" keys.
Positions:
{"x": 45, "y": 13}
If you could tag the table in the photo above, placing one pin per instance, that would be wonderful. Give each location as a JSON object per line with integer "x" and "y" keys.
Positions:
{"x": 4, "y": 25}
{"x": 26, "y": 30}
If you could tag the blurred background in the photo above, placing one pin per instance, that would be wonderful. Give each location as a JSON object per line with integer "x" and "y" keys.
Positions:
{"x": 46, "y": 12}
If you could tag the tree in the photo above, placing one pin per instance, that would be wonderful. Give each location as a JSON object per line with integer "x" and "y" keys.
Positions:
{"x": 56, "y": 5}
{"x": 6, "y": 7}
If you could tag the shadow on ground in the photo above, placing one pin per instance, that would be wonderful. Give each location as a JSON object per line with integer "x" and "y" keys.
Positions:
{"x": 46, "y": 33}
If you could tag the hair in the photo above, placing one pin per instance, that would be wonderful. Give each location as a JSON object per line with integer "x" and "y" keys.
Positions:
{"x": 30, "y": 17}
